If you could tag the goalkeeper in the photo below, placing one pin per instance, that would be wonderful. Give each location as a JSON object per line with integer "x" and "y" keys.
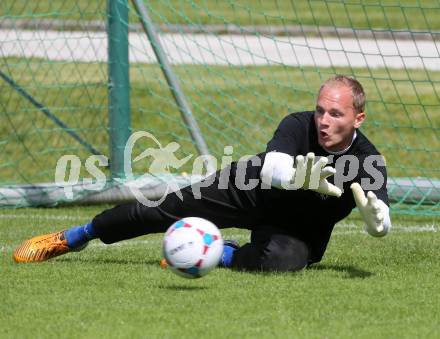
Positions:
{"x": 301, "y": 194}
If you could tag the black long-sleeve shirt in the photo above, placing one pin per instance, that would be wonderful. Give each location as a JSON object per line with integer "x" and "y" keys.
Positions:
{"x": 307, "y": 214}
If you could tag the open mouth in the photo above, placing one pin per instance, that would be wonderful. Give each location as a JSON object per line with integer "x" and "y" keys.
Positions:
{"x": 323, "y": 135}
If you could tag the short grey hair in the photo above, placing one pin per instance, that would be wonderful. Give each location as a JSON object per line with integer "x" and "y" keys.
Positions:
{"x": 357, "y": 90}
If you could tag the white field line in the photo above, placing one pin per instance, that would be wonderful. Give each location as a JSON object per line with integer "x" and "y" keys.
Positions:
{"x": 431, "y": 227}
{"x": 400, "y": 228}
{"x": 238, "y": 50}
{"x": 32, "y": 217}
{"x": 340, "y": 230}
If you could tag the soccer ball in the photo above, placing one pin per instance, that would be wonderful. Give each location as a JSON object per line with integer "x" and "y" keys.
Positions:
{"x": 192, "y": 247}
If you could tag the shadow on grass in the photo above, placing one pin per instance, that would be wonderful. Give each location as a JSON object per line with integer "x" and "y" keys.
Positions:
{"x": 118, "y": 261}
{"x": 176, "y": 287}
{"x": 351, "y": 271}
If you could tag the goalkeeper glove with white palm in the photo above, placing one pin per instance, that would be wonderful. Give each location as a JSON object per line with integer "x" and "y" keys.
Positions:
{"x": 278, "y": 171}
{"x": 374, "y": 211}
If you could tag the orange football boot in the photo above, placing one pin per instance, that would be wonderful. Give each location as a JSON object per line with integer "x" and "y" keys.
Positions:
{"x": 42, "y": 248}
{"x": 163, "y": 263}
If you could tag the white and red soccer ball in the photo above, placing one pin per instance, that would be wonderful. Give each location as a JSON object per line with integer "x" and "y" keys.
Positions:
{"x": 192, "y": 247}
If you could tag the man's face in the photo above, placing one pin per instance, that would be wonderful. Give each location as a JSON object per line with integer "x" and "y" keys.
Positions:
{"x": 335, "y": 117}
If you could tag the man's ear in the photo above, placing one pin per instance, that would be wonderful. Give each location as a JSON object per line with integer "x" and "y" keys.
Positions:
{"x": 359, "y": 119}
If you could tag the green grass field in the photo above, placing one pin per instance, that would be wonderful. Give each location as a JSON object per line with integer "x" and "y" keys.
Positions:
{"x": 364, "y": 288}
{"x": 385, "y": 14}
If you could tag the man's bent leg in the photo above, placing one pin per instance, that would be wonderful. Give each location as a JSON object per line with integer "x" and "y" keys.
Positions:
{"x": 224, "y": 207}
{"x": 131, "y": 220}
{"x": 271, "y": 252}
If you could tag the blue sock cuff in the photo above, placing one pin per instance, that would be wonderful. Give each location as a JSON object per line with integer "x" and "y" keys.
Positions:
{"x": 228, "y": 254}
{"x": 79, "y": 235}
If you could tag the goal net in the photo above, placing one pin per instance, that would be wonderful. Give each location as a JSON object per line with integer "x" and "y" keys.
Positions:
{"x": 241, "y": 65}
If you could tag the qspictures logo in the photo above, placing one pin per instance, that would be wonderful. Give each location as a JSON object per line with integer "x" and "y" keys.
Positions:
{"x": 163, "y": 160}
